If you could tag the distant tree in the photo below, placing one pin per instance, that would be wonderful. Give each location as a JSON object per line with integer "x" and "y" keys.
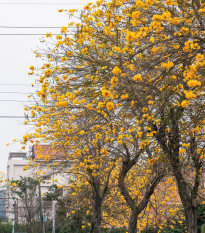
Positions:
{"x": 25, "y": 190}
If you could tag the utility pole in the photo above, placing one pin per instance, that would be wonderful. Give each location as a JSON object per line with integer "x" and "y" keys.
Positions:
{"x": 53, "y": 208}
{"x": 53, "y": 215}
{"x": 41, "y": 210}
{"x": 13, "y": 216}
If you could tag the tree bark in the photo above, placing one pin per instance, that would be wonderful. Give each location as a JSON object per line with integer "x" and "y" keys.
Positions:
{"x": 191, "y": 216}
{"x": 133, "y": 221}
{"x": 187, "y": 194}
{"x": 98, "y": 200}
{"x": 121, "y": 183}
{"x": 98, "y": 216}
{"x": 96, "y": 224}
{"x": 189, "y": 203}
{"x": 137, "y": 209}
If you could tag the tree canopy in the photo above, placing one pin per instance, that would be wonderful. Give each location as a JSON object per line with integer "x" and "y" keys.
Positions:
{"x": 126, "y": 90}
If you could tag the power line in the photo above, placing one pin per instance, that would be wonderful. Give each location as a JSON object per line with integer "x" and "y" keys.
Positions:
{"x": 15, "y": 84}
{"x": 12, "y": 117}
{"x": 40, "y": 3}
{"x": 29, "y": 34}
{"x": 19, "y": 101}
{"x": 32, "y": 27}
{"x": 26, "y": 27}
{"x": 15, "y": 92}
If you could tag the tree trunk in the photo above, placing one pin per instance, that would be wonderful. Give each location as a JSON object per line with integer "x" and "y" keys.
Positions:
{"x": 98, "y": 215}
{"x": 187, "y": 194}
{"x": 98, "y": 200}
{"x": 133, "y": 222}
{"x": 189, "y": 203}
{"x": 92, "y": 228}
{"x": 137, "y": 209}
{"x": 191, "y": 219}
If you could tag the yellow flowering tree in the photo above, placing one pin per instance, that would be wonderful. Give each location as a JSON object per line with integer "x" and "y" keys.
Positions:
{"x": 133, "y": 74}
{"x": 156, "y": 64}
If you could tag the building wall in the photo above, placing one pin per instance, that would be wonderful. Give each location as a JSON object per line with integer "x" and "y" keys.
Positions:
{"x": 15, "y": 172}
{"x": 15, "y": 169}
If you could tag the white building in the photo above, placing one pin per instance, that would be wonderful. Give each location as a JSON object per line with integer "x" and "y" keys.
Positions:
{"x": 15, "y": 165}
{"x": 15, "y": 170}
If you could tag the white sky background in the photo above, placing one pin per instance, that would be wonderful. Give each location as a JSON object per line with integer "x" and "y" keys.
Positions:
{"x": 16, "y": 57}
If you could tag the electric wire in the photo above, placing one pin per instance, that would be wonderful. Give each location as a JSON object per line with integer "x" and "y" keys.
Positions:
{"x": 15, "y": 92}
{"x": 31, "y": 27}
{"x": 7, "y": 117}
{"x": 30, "y": 34}
{"x": 18, "y": 101}
{"x": 34, "y": 27}
{"x": 40, "y": 3}
{"x": 15, "y": 84}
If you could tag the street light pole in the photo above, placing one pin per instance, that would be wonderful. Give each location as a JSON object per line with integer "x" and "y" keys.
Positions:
{"x": 53, "y": 215}
{"x": 13, "y": 216}
{"x": 41, "y": 210}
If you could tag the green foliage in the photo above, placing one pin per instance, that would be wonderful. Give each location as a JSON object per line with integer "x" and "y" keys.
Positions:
{"x": 70, "y": 224}
{"x": 26, "y": 190}
{"x": 20, "y": 227}
{"x": 53, "y": 193}
{"x": 115, "y": 230}
{"x": 24, "y": 186}
{"x": 71, "y": 229}
{"x": 201, "y": 217}
{"x": 203, "y": 229}
{"x": 6, "y": 227}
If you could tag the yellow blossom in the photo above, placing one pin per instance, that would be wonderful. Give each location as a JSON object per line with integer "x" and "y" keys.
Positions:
{"x": 48, "y": 72}
{"x": 58, "y": 37}
{"x": 199, "y": 57}
{"x": 163, "y": 202}
{"x": 114, "y": 80}
{"x": 125, "y": 96}
{"x": 169, "y": 2}
{"x": 64, "y": 59}
{"x": 100, "y": 105}
{"x": 110, "y": 106}
{"x": 48, "y": 34}
{"x": 89, "y": 106}
{"x": 189, "y": 95}
{"x": 185, "y": 103}
{"x": 137, "y": 77}
{"x": 116, "y": 70}
{"x": 194, "y": 83}
{"x": 63, "y": 29}
{"x": 184, "y": 30}
{"x": 167, "y": 65}
{"x": 136, "y": 14}
{"x": 98, "y": 24}
{"x": 105, "y": 93}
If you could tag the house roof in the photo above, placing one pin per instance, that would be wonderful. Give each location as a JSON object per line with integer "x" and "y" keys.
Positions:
{"x": 14, "y": 155}
{"x": 48, "y": 152}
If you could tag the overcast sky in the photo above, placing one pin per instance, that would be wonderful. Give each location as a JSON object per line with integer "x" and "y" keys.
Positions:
{"x": 16, "y": 57}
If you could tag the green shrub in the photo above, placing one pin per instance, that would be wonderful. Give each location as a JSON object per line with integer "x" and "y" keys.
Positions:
{"x": 6, "y": 227}
{"x": 203, "y": 228}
